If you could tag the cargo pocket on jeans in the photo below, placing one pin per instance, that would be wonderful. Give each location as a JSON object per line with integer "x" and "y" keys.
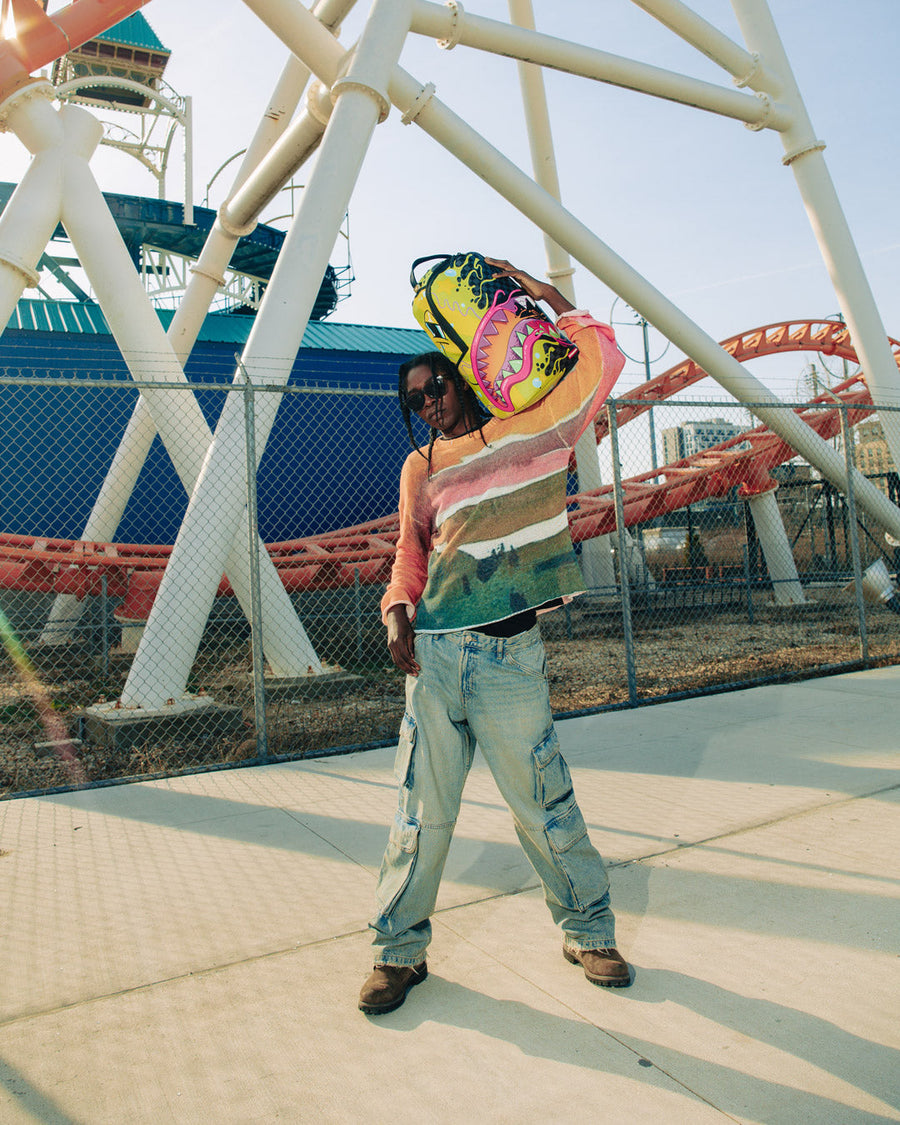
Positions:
{"x": 552, "y": 780}
{"x": 398, "y": 863}
{"x": 563, "y": 833}
{"x": 406, "y": 744}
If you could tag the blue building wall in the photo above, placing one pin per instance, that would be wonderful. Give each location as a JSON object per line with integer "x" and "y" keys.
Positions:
{"x": 332, "y": 461}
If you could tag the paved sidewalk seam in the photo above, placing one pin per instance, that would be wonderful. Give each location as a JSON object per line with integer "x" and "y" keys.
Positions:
{"x": 194, "y": 974}
{"x": 781, "y": 819}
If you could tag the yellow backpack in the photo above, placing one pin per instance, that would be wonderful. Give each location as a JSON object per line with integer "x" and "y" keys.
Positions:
{"x": 506, "y": 348}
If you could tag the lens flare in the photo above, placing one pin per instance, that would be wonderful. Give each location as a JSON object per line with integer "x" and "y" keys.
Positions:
{"x": 7, "y": 21}
{"x": 40, "y": 698}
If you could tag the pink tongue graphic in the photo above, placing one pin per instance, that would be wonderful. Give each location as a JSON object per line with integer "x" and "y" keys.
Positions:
{"x": 494, "y": 385}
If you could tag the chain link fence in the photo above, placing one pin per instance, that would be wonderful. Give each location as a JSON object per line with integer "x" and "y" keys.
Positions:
{"x": 708, "y": 586}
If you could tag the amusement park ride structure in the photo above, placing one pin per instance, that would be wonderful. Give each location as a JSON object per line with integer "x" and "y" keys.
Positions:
{"x": 351, "y": 93}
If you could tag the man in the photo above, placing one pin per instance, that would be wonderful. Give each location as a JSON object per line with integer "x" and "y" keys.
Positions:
{"x": 484, "y": 546}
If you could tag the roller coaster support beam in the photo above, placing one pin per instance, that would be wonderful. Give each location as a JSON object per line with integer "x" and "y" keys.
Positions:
{"x": 803, "y": 155}
{"x": 419, "y": 104}
{"x": 450, "y": 25}
{"x": 213, "y": 517}
{"x": 760, "y": 495}
{"x": 207, "y": 278}
{"x": 596, "y": 555}
{"x": 745, "y": 68}
{"x": 32, "y": 213}
{"x": 277, "y": 151}
{"x": 74, "y": 134}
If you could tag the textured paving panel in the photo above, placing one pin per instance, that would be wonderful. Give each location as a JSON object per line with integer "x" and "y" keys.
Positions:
{"x": 191, "y": 950}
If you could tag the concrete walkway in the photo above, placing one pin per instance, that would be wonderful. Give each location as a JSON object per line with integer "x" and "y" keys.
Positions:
{"x": 191, "y": 950}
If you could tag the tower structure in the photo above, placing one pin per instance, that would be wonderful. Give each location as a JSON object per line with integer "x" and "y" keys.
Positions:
{"x": 131, "y": 50}
{"x": 119, "y": 75}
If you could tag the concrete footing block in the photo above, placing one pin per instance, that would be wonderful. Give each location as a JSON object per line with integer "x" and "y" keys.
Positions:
{"x": 325, "y": 685}
{"x": 116, "y": 727}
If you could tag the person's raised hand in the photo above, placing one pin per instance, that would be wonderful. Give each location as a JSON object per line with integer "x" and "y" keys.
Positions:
{"x": 536, "y": 290}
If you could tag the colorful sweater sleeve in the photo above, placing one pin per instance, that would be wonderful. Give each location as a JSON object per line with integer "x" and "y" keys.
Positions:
{"x": 410, "y": 570}
{"x": 579, "y": 397}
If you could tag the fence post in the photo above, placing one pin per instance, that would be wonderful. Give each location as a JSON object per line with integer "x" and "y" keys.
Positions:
{"x": 253, "y": 544}
{"x": 745, "y": 552}
{"x": 847, "y": 435}
{"x": 623, "y": 552}
{"x": 104, "y": 625}
{"x": 357, "y": 608}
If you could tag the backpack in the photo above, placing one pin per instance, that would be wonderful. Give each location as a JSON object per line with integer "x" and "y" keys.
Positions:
{"x": 506, "y": 348}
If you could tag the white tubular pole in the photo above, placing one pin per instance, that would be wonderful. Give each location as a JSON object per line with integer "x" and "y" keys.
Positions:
{"x": 208, "y": 272}
{"x": 596, "y": 557}
{"x": 106, "y": 513}
{"x": 188, "y": 162}
{"x": 30, "y": 217}
{"x": 281, "y": 108}
{"x": 207, "y": 276}
{"x": 29, "y": 114}
{"x": 543, "y": 159}
{"x": 149, "y": 356}
{"x": 213, "y": 516}
{"x": 303, "y": 34}
{"x": 530, "y": 46}
{"x": 745, "y": 68}
{"x": 26, "y": 226}
{"x": 803, "y": 154}
{"x": 776, "y": 549}
{"x": 419, "y": 104}
{"x": 237, "y": 217}
{"x": 262, "y": 185}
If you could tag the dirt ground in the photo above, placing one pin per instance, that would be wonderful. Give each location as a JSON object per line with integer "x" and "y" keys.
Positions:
{"x": 587, "y": 669}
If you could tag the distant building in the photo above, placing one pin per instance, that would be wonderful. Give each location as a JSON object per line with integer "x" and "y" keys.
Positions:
{"x": 693, "y": 437}
{"x": 672, "y": 444}
{"x": 871, "y": 451}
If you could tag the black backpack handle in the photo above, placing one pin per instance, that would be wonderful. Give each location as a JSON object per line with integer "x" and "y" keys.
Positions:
{"x": 413, "y": 280}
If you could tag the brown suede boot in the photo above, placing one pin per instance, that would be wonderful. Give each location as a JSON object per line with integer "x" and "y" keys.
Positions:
{"x": 606, "y": 967}
{"x": 388, "y": 985}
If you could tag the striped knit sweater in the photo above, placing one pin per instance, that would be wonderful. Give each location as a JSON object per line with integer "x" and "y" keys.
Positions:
{"x": 485, "y": 535}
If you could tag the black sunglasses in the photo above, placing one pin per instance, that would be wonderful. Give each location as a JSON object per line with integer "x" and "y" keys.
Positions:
{"x": 435, "y": 388}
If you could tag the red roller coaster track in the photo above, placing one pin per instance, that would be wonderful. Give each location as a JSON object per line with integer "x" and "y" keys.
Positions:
{"x": 364, "y": 553}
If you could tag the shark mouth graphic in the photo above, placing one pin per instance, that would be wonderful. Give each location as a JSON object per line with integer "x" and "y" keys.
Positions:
{"x": 502, "y": 351}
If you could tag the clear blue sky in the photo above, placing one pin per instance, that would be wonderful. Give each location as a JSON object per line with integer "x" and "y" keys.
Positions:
{"x": 700, "y": 205}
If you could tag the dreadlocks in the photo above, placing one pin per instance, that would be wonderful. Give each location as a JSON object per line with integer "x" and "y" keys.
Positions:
{"x": 438, "y": 364}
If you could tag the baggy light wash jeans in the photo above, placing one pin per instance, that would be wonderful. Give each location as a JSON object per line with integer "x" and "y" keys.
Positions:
{"x": 492, "y": 690}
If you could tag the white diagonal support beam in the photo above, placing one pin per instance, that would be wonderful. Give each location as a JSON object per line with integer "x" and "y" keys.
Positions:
{"x": 189, "y": 583}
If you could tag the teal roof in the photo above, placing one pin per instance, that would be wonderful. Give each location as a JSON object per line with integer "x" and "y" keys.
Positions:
{"x": 365, "y": 338}
{"x": 87, "y": 319}
{"x": 58, "y": 316}
{"x": 134, "y": 31}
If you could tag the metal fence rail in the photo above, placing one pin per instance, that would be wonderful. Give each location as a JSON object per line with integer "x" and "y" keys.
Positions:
{"x": 729, "y": 585}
